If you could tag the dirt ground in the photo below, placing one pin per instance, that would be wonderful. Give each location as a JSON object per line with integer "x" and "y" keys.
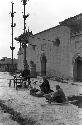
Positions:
{"x": 23, "y": 109}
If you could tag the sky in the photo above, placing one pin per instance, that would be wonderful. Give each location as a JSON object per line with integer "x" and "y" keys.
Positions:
{"x": 44, "y": 14}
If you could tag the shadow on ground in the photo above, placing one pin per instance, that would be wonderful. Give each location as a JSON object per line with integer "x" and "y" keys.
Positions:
{"x": 77, "y": 102}
{"x": 16, "y": 116}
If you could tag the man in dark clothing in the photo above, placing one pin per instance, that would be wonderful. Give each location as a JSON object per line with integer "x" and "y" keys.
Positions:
{"x": 45, "y": 87}
{"x": 26, "y": 75}
{"x": 57, "y": 96}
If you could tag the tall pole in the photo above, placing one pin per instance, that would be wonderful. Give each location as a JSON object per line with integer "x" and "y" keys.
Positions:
{"x": 24, "y": 18}
{"x": 12, "y": 35}
{"x": 12, "y": 47}
{"x": 25, "y": 61}
{"x": 24, "y": 43}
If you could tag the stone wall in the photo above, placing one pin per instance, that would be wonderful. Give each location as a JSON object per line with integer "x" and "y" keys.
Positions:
{"x": 75, "y": 49}
{"x": 57, "y": 55}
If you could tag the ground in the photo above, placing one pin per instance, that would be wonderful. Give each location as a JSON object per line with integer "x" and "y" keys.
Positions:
{"x": 19, "y": 107}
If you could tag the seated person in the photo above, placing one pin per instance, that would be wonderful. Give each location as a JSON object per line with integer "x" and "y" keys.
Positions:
{"x": 26, "y": 74}
{"x": 45, "y": 87}
{"x": 57, "y": 96}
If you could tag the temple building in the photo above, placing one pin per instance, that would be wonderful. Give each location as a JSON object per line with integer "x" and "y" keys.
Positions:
{"x": 56, "y": 51}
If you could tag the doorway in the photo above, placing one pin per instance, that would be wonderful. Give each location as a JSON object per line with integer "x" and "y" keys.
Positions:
{"x": 43, "y": 65}
{"x": 77, "y": 70}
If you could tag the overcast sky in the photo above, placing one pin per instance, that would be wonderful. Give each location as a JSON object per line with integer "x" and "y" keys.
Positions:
{"x": 44, "y": 14}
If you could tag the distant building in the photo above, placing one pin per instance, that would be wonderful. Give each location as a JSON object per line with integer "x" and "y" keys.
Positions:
{"x": 6, "y": 64}
{"x": 56, "y": 51}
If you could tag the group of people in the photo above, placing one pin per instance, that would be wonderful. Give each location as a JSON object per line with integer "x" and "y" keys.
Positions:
{"x": 49, "y": 94}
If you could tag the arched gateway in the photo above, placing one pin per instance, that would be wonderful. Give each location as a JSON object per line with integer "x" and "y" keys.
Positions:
{"x": 77, "y": 68}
